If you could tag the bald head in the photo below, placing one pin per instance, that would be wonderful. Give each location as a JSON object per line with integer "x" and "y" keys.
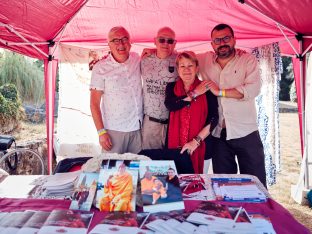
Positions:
{"x": 165, "y": 42}
{"x": 166, "y": 30}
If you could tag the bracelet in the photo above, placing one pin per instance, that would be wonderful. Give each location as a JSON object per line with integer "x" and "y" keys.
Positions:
{"x": 198, "y": 139}
{"x": 223, "y": 92}
{"x": 192, "y": 95}
{"x": 102, "y": 131}
{"x": 220, "y": 93}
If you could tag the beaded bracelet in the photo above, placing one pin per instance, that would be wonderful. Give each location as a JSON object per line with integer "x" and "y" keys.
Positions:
{"x": 102, "y": 131}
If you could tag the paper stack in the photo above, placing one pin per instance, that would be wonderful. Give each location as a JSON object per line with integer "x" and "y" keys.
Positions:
{"x": 60, "y": 184}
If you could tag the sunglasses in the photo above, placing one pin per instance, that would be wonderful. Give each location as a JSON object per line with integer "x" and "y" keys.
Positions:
{"x": 117, "y": 41}
{"x": 225, "y": 39}
{"x": 162, "y": 40}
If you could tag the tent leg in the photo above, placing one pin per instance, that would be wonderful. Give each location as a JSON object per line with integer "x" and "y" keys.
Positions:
{"x": 50, "y": 116}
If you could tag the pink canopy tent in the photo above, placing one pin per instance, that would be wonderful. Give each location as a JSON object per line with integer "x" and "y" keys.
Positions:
{"x": 35, "y": 28}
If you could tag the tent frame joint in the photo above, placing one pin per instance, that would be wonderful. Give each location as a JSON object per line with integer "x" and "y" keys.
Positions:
{"x": 300, "y": 57}
{"x": 299, "y": 37}
{"x": 241, "y": 1}
{"x": 51, "y": 43}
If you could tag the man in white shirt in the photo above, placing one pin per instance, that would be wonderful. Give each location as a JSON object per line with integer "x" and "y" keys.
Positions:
{"x": 234, "y": 77}
{"x": 116, "y": 96}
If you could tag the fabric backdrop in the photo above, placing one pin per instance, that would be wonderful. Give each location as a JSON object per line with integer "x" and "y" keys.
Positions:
{"x": 268, "y": 106}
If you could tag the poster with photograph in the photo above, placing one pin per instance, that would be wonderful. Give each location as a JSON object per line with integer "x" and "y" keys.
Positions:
{"x": 117, "y": 185}
{"x": 84, "y": 192}
{"x": 160, "y": 187}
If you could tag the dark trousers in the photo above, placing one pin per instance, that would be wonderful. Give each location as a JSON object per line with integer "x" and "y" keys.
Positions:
{"x": 249, "y": 152}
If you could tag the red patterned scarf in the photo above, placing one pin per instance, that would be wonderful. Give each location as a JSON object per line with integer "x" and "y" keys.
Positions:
{"x": 187, "y": 122}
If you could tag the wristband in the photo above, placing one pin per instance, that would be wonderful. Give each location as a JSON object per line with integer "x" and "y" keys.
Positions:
{"x": 223, "y": 92}
{"x": 102, "y": 131}
{"x": 220, "y": 93}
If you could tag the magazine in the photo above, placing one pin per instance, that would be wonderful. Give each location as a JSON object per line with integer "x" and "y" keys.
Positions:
{"x": 194, "y": 187}
{"x": 211, "y": 213}
{"x": 84, "y": 191}
{"x": 67, "y": 221}
{"x": 114, "y": 229}
{"x": 261, "y": 223}
{"x": 8, "y": 220}
{"x": 129, "y": 219}
{"x": 34, "y": 223}
{"x": 115, "y": 220}
{"x": 167, "y": 222}
{"x": 116, "y": 190}
{"x": 160, "y": 187}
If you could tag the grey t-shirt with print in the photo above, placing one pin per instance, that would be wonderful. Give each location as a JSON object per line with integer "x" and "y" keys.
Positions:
{"x": 156, "y": 74}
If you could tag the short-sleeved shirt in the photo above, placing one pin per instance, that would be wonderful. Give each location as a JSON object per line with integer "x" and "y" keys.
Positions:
{"x": 241, "y": 73}
{"x": 156, "y": 74}
{"x": 122, "y": 104}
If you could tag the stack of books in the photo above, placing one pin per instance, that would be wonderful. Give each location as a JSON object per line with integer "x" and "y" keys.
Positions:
{"x": 237, "y": 190}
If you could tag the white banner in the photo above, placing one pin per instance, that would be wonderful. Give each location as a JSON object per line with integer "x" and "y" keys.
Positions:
{"x": 76, "y": 134}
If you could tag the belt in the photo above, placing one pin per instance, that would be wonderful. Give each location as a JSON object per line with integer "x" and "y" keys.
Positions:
{"x": 162, "y": 121}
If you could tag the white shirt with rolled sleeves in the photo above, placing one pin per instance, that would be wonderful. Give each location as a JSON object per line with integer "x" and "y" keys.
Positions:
{"x": 241, "y": 73}
{"x": 122, "y": 103}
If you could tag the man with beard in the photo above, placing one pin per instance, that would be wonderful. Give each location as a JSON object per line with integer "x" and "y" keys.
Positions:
{"x": 233, "y": 76}
{"x": 116, "y": 96}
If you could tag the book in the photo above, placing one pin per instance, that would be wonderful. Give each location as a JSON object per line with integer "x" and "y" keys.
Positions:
{"x": 117, "y": 184}
{"x": 34, "y": 223}
{"x": 237, "y": 190}
{"x": 194, "y": 187}
{"x": 84, "y": 191}
{"x": 160, "y": 187}
{"x": 67, "y": 221}
{"x": 19, "y": 220}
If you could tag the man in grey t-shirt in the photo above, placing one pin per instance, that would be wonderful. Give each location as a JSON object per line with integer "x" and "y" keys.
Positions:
{"x": 157, "y": 70}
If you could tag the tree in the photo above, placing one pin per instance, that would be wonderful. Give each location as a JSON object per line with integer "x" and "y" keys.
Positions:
{"x": 287, "y": 78}
{"x": 26, "y": 75}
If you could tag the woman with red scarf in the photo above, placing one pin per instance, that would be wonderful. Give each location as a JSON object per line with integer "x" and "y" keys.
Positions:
{"x": 192, "y": 118}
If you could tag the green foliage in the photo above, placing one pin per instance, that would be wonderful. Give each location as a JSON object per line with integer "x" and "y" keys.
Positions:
{"x": 293, "y": 92}
{"x": 10, "y": 105}
{"x": 26, "y": 75}
{"x": 287, "y": 78}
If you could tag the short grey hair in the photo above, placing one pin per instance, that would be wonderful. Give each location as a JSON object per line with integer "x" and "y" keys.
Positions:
{"x": 116, "y": 29}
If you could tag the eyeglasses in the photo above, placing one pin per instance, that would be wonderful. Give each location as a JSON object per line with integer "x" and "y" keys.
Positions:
{"x": 225, "y": 39}
{"x": 162, "y": 40}
{"x": 117, "y": 41}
